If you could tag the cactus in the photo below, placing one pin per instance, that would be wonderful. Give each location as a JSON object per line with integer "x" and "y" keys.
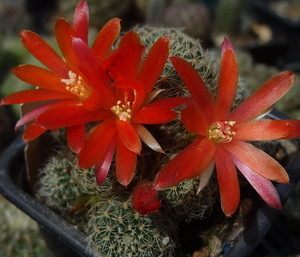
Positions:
{"x": 58, "y": 190}
{"x": 107, "y": 217}
{"x": 63, "y": 186}
{"x": 114, "y": 229}
{"x": 191, "y": 50}
{"x": 186, "y": 204}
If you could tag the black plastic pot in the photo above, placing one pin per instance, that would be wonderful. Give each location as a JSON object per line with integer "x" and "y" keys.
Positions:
{"x": 62, "y": 239}
{"x": 65, "y": 240}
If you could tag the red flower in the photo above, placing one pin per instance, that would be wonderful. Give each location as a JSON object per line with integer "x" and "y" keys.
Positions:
{"x": 127, "y": 104}
{"x": 223, "y": 134}
{"x": 63, "y": 82}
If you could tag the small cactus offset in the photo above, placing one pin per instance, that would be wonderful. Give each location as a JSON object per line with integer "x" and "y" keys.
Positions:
{"x": 187, "y": 203}
{"x": 58, "y": 189}
{"x": 87, "y": 183}
{"x": 114, "y": 229}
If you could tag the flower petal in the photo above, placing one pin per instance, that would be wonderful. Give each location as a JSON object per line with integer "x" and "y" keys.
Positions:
{"x": 139, "y": 91}
{"x": 263, "y": 98}
{"x": 88, "y": 61}
{"x": 85, "y": 55}
{"x": 34, "y": 95}
{"x": 130, "y": 53}
{"x": 66, "y": 116}
{"x": 32, "y": 132}
{"x": 228, "y": 181}
{"x": 34, "y": 113}
{"x": 44, "y": 52}
{"x": 227, "y": 81}
{"x": 64, "y": 34}
{"x": 104, "y": 93}
{"x": 188, "y": 164}
{"x": 258, "y": 160}
{"x": 194, "y": 121}
{"x": 128, "y": 136}
{"x": 109, "y": 59}
{"x": 75, "y": 137}
{"x": 205, "y": 176}
{"x": 148, "y": 138}
{"x": 81, "y": 20}
{"x": 256, "y": 130}
{"x": 125, "y": 164}
{"x": 93, "y": 102}
{"x": 158, "y": 112}
{"x": 106, "y": 38}
{"x": 296, "y": 128}
{"x": 39, "y": 77}
{"x": 195, "y": 85}
{"x": 262, "y": 186}
{"x": 97, "y": 144}
{"x": 102, "y": 168}
{"x": 154, "y": 63}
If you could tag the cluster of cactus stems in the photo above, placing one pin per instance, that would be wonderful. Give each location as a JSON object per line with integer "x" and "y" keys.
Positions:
{"x": 111, "y": 225}
{"x": 111, "y": 98}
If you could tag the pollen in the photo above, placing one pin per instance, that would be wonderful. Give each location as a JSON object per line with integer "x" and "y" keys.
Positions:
{"x": 122, "y": 111}
{"x": 220, "y": 131}
{"x": 77, "y": 86}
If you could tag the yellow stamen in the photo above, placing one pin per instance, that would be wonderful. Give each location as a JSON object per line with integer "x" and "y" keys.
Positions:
{"x": 220, "y": 131}
{"x": 122, "y": 111}
{"x": 77, "y": 86}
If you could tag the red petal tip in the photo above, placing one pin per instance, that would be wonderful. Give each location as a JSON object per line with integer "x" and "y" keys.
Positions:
{"x": 226, "y": 44}
{"x": 165, "y": 38}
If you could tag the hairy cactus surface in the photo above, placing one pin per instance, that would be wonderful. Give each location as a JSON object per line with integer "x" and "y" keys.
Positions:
{"x": 58, "y": 189}
{"x": 114, "y": 229}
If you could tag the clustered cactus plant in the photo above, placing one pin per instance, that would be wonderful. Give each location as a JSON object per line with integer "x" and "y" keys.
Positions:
{"x": 156, "y": 87}
{"x": 103, "y": 213}
{"x": 109, "y": 221}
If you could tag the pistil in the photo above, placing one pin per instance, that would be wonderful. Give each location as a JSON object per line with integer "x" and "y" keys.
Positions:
{"x": 220, "y": 131}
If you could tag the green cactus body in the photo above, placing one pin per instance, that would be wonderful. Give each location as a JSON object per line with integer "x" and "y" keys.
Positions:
{"x": 185, "y": 201}
{"x": 58, "y": 189}
{"x": 114, "y": 229}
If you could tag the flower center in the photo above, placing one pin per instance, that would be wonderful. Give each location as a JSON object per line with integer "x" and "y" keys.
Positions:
{"x": 76, "y": 85}
{"x": 220, "y": 131}
{"x": 122, "y": 111}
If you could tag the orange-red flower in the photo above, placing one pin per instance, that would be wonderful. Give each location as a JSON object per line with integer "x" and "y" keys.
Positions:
{"x": 128, "y": 105}
{"x": 63, "y": 83}
{"x": 222, "y": 134}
